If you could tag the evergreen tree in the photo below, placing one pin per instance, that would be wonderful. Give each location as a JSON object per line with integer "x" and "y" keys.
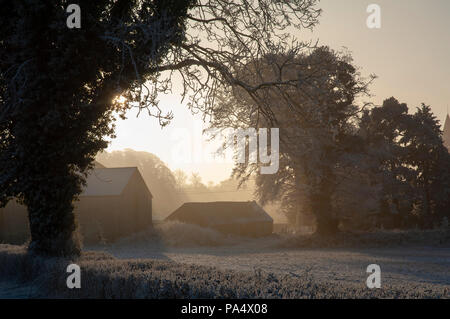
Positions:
{"x": 383, "y": 129}
{"x": 410, "y": 161}
{"x": 428, "y": 155}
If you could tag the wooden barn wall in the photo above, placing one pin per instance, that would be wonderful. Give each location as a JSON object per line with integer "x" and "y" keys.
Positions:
{"x": 251, "y": 229}
{"x": 98, "y": 216}
{"x": 139, "y": 207}
{"x": 14, "y": 227}
{"x": 101, "y": 218}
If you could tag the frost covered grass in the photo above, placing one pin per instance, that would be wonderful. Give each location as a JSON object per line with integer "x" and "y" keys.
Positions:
{"x": 103, "y": 276}
{"x": 378, "y": 238}
{"x": 177, "y": 234}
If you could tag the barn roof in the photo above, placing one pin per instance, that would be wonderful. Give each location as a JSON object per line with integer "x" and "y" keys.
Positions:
{"x": 108, "y": 181}
{"x": 219, "y": 213}
{"x": 98, "y": 165}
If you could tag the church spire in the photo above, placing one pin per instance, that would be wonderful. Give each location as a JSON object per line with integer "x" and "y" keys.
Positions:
{"x": 446, "y": 133}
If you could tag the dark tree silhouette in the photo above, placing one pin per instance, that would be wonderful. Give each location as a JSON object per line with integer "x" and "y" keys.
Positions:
{"x": 411, "y": 163}
{"x": 59, "y": 86}
{"x": 383, "y": 128}
{"x": 430, "y": 158}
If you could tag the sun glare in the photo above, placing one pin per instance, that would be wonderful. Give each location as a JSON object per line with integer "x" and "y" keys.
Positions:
{"x": 120, "y": 99}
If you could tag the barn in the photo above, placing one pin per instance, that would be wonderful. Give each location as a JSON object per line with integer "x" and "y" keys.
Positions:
{"x": 115, "y": 202}
{"x": 239, "y": 218}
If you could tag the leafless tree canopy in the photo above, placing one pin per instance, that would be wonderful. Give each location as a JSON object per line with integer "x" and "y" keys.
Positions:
{"x": 222, "y": 40}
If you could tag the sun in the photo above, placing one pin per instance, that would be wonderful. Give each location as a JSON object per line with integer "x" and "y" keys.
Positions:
{"x": 120, "y": 99}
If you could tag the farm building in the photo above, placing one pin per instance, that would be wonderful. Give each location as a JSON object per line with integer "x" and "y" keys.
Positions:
{"x": 114, "y": 203}
{"x": 239, "y": 218}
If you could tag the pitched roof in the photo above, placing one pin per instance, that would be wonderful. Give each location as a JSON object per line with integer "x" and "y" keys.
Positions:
{"x": 98, "y": 165}
{"x": 108, "y": 181}
{"x": 219, "y": 213}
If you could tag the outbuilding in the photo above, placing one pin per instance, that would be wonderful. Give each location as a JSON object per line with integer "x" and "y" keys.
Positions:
{"x": 115, "y": 202}
{"x": 239, "y": 218}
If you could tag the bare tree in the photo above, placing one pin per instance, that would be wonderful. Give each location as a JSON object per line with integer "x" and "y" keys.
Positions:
{"x": 312, "y": 100}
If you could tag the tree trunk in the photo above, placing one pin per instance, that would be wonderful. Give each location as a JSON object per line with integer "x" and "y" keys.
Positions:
{"x": 53, "y": 225}
{"x": 321, "y": 205}
{"x": 326, "y": 223}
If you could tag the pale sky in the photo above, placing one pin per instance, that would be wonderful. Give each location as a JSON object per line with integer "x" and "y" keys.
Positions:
{"x": 410, "y": 54}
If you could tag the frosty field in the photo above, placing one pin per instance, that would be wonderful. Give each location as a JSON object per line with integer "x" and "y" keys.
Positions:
{"x": 178, "y": 261}
{"x": 400, "y": 266}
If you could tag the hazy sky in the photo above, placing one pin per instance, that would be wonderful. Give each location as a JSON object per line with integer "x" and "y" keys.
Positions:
{"x": 410, "y": 54}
